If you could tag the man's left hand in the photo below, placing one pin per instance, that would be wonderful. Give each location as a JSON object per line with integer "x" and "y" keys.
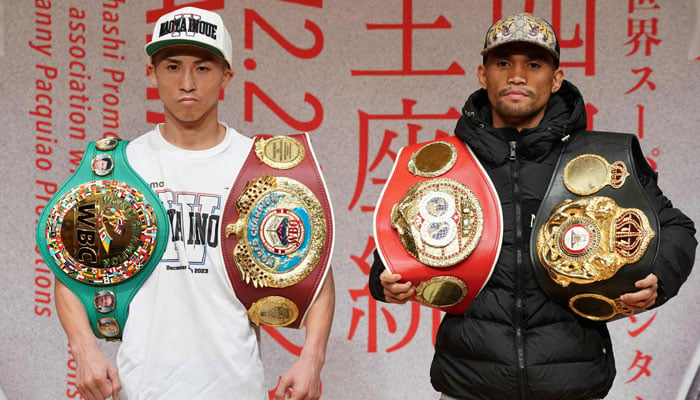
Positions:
{"x": 301, "y": 382}
{"x": 645, "y": 297}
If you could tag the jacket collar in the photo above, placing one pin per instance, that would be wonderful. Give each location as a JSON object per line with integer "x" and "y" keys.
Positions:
{"x": 565, "y": 113}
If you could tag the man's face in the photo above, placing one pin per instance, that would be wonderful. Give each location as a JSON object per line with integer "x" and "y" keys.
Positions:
{"x": 189, "y": 79}
{"x": 519, "y": 79}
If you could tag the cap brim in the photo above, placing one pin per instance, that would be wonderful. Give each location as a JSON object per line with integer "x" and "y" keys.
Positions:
{"x": 154, "y": 47}
{"x": 492, "y": 48}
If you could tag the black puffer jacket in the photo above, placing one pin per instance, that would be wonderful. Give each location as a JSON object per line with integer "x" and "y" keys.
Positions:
{"x": 514, "y": 342}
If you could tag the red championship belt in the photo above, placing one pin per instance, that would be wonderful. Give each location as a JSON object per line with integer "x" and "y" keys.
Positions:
{"x": 438, "y": 223}
{"x": 278, "y": 231}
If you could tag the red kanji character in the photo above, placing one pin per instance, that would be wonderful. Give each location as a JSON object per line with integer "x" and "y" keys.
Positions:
{"x": 637, "y": 30}
{"x": 283, "y": 341}
{"x": 645, "y": 360}
{"x": 587, "y": 43}
{"x": 642, "y": 328}
{"x": 371, "y": 313}
{"x": 498, "y": 8}
{"x": 639, "y": 5}
{"x": 645, "y": 79}
{"x": 640, "y": 121}
{"x": 384, "y": 152}
{"x": 591, "y": 111}
{"x": 407, "y": 26}
{"x": 385, "y": 149}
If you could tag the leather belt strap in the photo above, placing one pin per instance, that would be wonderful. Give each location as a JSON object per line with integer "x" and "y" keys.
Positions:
{"x": 596, "y": 232}
{"x": 438, "y": 223}
{"x": 102, "y": 234}
{"x": 278, "y": 231}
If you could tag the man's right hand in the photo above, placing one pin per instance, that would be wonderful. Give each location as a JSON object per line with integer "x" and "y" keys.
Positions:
{"x": 395, "y": 291}
{"x": 97, "y": 378}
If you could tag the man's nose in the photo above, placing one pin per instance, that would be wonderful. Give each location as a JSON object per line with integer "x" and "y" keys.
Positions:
{"x": 188, "y": 82}
{"x": 517, "y": 75}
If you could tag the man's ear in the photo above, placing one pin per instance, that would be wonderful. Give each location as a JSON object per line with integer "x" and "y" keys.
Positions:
{"x": 481, "y": 75}
{"x": 557, "y": 80}
{"x": 152, "y": 73}
{"x": 228, "y": 75}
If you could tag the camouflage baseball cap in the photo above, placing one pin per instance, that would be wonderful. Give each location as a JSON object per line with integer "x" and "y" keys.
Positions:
{"x": 522, "y": 28}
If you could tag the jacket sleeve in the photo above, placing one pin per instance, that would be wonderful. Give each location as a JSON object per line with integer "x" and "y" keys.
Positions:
{"x": 375, "y": 285}
{"x": 677, "y": 245}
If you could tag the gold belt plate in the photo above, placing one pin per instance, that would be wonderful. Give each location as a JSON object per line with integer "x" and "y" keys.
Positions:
{"x": 588, "y": 173}
{"x": 439, "y": 221}
{"x": 280, "y": 152}
{"x": 433, "y": 159}
{"x": 590, "y": 239}
{"x": 281, "y": 232}
{"x": 101, "y": 232}
{"x": 273, "y": 311}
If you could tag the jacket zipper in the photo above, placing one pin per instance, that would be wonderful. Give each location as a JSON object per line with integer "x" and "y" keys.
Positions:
{"x": 519, "y": 341}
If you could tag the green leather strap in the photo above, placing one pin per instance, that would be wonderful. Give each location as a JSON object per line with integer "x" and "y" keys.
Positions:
{"x": 102, "y": 234}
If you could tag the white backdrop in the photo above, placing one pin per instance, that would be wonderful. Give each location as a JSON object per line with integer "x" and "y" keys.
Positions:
{"x": 364, "y": 78}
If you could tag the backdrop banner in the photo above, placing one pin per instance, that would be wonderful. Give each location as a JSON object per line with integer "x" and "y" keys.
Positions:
{"x": 363, "y": 78}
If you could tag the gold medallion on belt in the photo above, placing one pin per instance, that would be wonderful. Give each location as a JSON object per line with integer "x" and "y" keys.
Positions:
{"x": 590, "y": 239}
{"x": 588, "y": 173}
{"x": 438, "y": 221}
{"x": 101, "y": 232}
{"x": 280, "y": 152}
{"x": 280, "y": 232}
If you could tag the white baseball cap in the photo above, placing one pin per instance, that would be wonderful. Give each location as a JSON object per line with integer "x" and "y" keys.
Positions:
{"x": 190, "y": 25}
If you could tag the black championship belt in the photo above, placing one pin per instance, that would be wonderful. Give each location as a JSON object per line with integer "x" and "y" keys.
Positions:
{"x": 102, "y": 234}
{"x": 596, "y": 232}
{"x": 438, "y": 223}
{"x": 278, "y": 231}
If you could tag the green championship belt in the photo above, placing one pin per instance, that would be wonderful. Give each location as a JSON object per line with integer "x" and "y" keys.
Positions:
{"x": 102, "y": 234}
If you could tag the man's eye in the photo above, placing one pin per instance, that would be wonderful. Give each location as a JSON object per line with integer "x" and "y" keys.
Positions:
{"x": 534, "y": 65}
{"x": 172, "y": 67}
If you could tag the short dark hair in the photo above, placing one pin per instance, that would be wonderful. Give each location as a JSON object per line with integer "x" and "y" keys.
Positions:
{"x": 162, "y": 54}
{"x": 555, "y": 61}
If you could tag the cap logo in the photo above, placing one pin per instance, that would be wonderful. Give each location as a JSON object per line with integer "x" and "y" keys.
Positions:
{"x": 502, "y": 30}
{"x": 188, "y": 24}
{"x": 539, "y": 30}
{"x": 195, "y": 27}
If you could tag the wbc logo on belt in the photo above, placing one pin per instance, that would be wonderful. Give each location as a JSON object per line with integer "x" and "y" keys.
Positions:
{"x": 101, "y": 232}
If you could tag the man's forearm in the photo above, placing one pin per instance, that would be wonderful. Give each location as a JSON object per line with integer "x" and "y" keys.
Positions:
{"x": 74, "y": 320}
{"x": 318, "y": 322}
{"x": 97, "y": 378}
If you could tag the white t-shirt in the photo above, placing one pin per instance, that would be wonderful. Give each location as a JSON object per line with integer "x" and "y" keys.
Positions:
{"x": 188, "y": 336}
